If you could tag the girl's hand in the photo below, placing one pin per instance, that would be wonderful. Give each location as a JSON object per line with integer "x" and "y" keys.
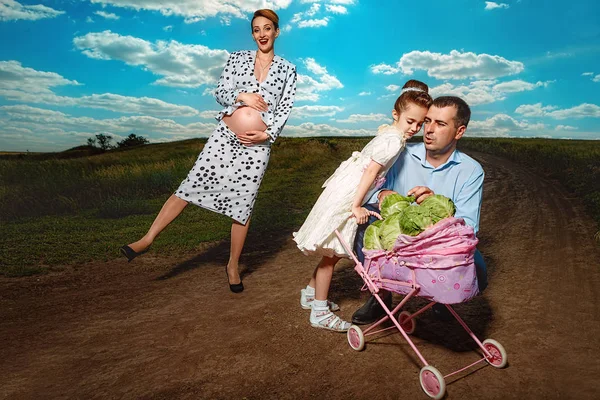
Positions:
{"x": 250, "y": 138}
{"x": 253, "y": 100}
{"x": 361, "y": 214}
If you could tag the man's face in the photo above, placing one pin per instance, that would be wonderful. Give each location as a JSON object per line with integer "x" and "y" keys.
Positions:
{"x": 440, "y": 133}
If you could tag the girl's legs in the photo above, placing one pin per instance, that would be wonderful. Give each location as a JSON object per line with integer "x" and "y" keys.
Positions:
{"x": 322, "y": 277}
{"x": 238, "y": 238}
{"x": 170, "y": 210}
{"x": 321, "y": 315}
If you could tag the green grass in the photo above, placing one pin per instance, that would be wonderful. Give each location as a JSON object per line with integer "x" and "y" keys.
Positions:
{"x": 56, "y": 210}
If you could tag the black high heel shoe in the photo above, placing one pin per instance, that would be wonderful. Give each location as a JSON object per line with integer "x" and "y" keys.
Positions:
{"x": 235, "y": 288}
{"x": 130, "y": 253}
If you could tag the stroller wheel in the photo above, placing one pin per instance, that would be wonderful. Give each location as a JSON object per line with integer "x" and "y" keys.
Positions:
{"x": 499, "y": 358}
{"x": 432, "y": 382}
{"x": 356, "y": 339}
{"x": 410, "y": 326}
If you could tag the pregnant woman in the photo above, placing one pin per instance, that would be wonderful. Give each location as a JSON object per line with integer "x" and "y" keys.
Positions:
{"x": 257, "y": 90}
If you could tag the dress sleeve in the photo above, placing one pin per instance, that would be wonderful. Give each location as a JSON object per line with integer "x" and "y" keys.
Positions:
{"x": 385, "y": 148}
{"x": 284, "y": 106}
{"x": 226, "y": 93}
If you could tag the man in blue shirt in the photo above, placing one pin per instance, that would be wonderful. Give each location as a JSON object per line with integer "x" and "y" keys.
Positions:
{"x": 432, "y": 167}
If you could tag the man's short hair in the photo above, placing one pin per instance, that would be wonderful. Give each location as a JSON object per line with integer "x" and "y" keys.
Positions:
{"x": 463, "y": 112}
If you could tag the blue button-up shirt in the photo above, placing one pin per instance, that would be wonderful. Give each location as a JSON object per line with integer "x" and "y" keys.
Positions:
{"x": 460, "y": 179}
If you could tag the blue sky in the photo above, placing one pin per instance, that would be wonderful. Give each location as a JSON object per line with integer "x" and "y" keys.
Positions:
{"x": 70, "y": 69}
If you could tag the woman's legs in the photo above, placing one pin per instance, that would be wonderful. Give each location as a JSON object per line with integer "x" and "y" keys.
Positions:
{"x": 170, "y": 210}
{"x": 238, "y": 238}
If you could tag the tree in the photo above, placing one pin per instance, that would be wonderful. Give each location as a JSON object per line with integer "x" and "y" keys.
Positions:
{"x": 133, "y": 140}
{"x": 104, "y": 141}
{"x": 91, "y": 142}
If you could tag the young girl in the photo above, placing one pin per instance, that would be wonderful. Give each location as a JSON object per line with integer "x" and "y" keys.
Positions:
{"x": 339, "y": 206}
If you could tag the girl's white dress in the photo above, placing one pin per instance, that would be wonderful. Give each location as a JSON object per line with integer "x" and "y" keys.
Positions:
{"x": 333, "y": 209}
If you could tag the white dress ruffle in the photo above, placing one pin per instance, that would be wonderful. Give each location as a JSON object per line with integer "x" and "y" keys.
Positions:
{"x": 333, "y": 208}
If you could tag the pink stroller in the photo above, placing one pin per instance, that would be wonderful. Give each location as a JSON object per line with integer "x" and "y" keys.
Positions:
{"x": 437, "y": 265}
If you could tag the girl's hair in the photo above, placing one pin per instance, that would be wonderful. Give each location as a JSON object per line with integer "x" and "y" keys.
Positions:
{"x": 268, "y": 14}
{"x": 419, "y": 97}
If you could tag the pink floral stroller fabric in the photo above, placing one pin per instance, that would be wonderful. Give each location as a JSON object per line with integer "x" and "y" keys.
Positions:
{"x": 439, "y": 260}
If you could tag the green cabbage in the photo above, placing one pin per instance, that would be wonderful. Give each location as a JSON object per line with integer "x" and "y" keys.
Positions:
{"x": 414, "y": 220}
{"x": 394, "y": 203}
{"x": 439, "y": 207}
{"x": 371, "y": 239}
{"x": 390, "y": 230}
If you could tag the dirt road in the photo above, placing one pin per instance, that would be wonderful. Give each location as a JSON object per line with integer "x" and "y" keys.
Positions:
{"x": 163, "y": 328}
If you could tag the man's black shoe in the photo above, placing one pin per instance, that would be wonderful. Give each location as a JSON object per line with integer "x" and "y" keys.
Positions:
{"x": 371, "y": 311}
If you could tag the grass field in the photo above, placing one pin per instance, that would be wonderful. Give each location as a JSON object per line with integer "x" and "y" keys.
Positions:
{"x": 56, "y": 211}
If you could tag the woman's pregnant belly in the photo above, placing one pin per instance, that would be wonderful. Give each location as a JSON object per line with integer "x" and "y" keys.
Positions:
{"x": 245, "y": 119}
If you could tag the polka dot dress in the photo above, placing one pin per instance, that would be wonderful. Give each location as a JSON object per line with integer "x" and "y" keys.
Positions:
{"x": 227, "y": 174}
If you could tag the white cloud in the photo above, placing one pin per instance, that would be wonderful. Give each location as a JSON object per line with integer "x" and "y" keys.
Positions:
{"x": 107, "y": 15}
{"x": 37, "y": 119}
{"x": 309, "y": 87}
{"x": 384, "y": 69}
{"x": 308, "y": 19}
{"x": 315, "y": 111}
{"x": 225, "y": 21}
{"x": 534, "y": 110}
{"x": 26, "y": 85}
{"x": 587, "y": 74}
{"x": 11, "y": 10}
{"x": 313, "y": 10}
{"x": 485, "y": 91}
{"x": 584, "y": 110}
{"x": 565, "y": 128}
{"x": 476, "y": 93}
{"x": 456, "y": 65}
{"x": 365, "y": 118}
{"x": 89, "y": 20}
{"x": 312, "y": 129}
{"x": 13, "y": 76}
{"x": 392, "y": 88}
{"x": 490, "y": 5}
{"x": 336, "y": 9}
{"x": 501, "y": 125}
{"x": 209, "y": 114}
{"x": 519, "y": 86}
{"x": 168, "y": 28}
{"x": 198, "y": 10}
{"x": 596, "y": 78}
{"x": 364, "y": 94}
{"x": 313, "y": 23}
{"x": 180, "y": 65}
{"x": 286, "y": 28}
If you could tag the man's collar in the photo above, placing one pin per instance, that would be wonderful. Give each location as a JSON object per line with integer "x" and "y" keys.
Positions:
{"x": 419, "y": 152}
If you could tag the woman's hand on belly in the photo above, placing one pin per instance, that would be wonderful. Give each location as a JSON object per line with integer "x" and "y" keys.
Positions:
{"x": 243, "y": 120}
{"x": 254, "y": 100}
{"x": 250, "y": 138}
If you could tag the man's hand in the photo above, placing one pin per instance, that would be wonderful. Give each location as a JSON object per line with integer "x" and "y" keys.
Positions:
{"x": 250, "y": 138}
{"x": 420, "y": 193}
{"x": 254, "y": 100}
{"x": 383, "y": 194}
